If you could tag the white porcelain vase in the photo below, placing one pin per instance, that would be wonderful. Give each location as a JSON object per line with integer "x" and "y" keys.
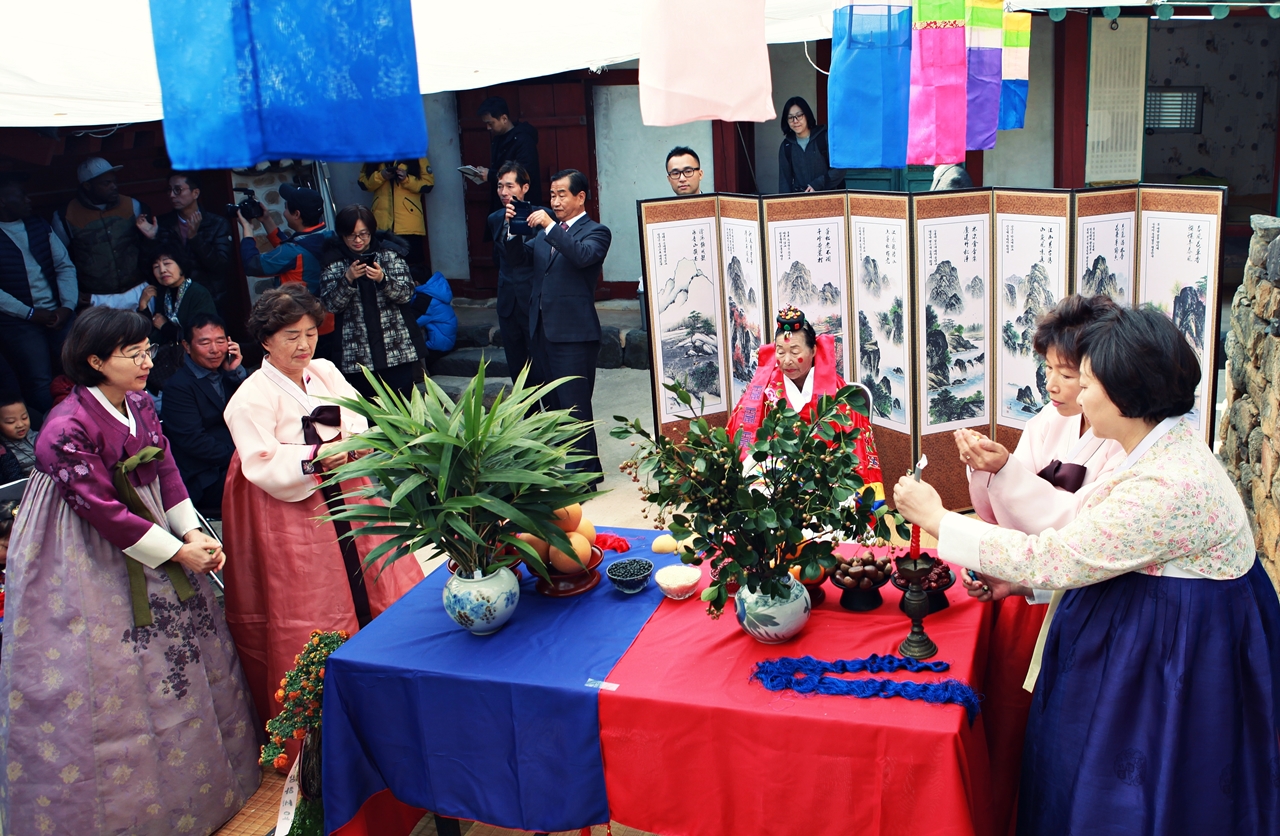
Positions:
{"x": 771, "y": 619}
{"x": 482, "y": 604}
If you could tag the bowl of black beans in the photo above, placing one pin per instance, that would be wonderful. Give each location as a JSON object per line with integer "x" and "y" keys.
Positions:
{"x": 630, "y": 575}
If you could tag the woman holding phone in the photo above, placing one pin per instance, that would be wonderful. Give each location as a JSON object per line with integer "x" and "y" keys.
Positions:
{"x": 365, "y": 283}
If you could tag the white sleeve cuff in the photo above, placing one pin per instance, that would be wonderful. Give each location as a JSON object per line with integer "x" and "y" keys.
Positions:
{"x": 1040, "y": 596}
{"x": 182, "y": 517}
{"x": 155, "y": 547}
{"x": 959, "y": 538}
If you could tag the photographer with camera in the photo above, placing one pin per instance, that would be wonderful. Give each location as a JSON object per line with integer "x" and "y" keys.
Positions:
{"x": 397, "y": 187}
{"x": 366, "y": 283}
{"x": 295, "y": 254}
{"x": 206, "y": 239}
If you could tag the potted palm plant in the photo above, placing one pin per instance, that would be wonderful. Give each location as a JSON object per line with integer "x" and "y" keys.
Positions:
{"x": 797, "y": 497}
{"x": 466, "y": 479}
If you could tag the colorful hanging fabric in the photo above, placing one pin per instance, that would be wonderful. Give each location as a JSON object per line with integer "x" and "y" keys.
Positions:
{"x": 244, "y": 81}
{"x": 869, "y": 89}
{"x": 726, "y": 76}
{"x": 1015, "y": 59}
{"x": 939, "y": 80}
{"x": 984, "y": 32}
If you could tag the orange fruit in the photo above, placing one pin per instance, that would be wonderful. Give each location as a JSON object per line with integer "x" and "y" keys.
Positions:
{"x": 539, "y": 545}
{"x": 566, "y": 563}
{"x": 586, "y": 529}
{"x": 569, "y": 518}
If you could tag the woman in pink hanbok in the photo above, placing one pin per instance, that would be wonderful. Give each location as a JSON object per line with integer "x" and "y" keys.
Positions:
{"x": 123, "y": 709}
{"x": 1041, "y": 485}
{"x": 290, "y": 572}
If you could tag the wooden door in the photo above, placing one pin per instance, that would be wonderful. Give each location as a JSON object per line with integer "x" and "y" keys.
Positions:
{"x": 561, "y": 111}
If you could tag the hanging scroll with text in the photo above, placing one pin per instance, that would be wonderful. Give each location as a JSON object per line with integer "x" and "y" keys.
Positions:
{"x": 952, "y": 326}
{"x": 687, "y": 335}
{"x": 1178, "y": 273}
{"x": 1031, "y": 256}
{"x": 807, "y": 264}
{"x": 880, "y": 244}
{"x": 747, "y": 315}
{"x": 1106, "y": 226}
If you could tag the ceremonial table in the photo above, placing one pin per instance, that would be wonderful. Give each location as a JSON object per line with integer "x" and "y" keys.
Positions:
{"x": 642, "y": 710}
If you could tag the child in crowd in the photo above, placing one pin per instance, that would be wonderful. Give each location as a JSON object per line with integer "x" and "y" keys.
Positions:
{"x": 16, "y": 435}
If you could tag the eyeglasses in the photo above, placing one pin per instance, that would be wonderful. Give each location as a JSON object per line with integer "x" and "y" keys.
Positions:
{"x": 177, "y": 190}
{"x": 136, "y": 357}
{"x": 359, "y": 236}
{"x": 795, "y": 117}
{"x": 681, "y": 173}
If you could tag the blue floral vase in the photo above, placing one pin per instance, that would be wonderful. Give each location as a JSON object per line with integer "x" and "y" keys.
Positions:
{"x": 773, "y": 619}
{"x": 482, "y": 604}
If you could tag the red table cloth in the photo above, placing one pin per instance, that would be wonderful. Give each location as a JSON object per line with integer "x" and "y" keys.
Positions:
{"x": 692, "y": 747}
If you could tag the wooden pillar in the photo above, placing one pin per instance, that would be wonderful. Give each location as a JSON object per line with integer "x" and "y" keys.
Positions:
{"x": 1070, "y": 99}
{"x": 973, "y": 165}
{"x": 733, "y": 150}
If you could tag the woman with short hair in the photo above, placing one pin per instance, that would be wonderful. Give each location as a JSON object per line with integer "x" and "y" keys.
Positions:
{"x": 1157, "y": 708}
{"x": 174, "y": 300}
{"x": 293, "y": 572}
{"x": 122, "y": 703}
{"x": 366, "y": 283}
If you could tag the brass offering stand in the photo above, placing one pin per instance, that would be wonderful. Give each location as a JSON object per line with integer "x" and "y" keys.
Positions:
{"x": 913, "y": 569}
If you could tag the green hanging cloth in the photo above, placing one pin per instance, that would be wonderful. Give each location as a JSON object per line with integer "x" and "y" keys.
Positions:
{"x": 137, "y": 577}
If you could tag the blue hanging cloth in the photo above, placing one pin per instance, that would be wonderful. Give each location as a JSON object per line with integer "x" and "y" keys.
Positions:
{"x": 868, "y": 91}
{"x": 249, "y": 80}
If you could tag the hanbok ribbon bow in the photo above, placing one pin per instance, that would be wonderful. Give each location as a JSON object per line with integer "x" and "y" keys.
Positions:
{"x": 138, "y": 599}
{"x": 1067, "y": 477}
{"x": 329, "y": 416}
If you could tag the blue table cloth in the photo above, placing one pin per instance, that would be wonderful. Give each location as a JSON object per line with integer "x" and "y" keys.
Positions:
{"x": 502, "y": 729}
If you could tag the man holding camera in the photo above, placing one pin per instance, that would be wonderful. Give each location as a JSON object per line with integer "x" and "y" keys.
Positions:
{"x": 205, "y": 238}
{"x": 515, "y": 281}
{"x": 295, "y": 256}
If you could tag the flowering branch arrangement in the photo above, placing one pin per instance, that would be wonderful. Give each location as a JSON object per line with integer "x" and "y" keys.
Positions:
{"x": 798, "y": 497}
{"x": 299, "y": 694}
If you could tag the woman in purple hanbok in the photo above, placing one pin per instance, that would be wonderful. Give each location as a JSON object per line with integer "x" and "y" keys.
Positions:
{"x": 123, "y": 708}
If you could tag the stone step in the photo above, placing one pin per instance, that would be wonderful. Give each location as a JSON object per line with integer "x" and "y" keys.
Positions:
{"x": 465, "y": 362}
{"x": 454, "y": 386}
{"x": 617, "y": 349}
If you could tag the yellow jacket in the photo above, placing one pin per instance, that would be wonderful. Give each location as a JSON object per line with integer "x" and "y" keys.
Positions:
{"x": 397, "y": 205}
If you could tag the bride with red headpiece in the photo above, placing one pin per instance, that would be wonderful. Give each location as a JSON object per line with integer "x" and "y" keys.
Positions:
{"x": 800, "y": 367}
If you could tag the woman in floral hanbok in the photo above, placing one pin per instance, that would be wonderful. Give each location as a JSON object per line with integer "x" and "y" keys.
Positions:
{"x": 123, "y": 708}
{"x": 1157, "y": 707}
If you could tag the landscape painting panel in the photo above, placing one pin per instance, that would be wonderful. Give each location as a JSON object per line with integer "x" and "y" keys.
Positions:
{"x": 809, "y": 272}
{"x": 1104, "y": 257}
{"x": 880, "y": 274}
{"x": 685, "y": 297}
{"x": 743, "y": 299}
{"x": 1032, "y": 279}
{"x": 954, "y": 276}
{"x": 1179, "y": 277}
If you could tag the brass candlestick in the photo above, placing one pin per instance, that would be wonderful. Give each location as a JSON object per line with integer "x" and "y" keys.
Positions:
{"x": 913, "y": 570}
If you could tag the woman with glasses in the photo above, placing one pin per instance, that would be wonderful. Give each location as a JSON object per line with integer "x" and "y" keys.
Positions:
{"x": 804, "y": 160}
{"x": 204, "y": 236}
{"x": 123, "y": 707}
{"x": 365, "y": 283}
{"x": 173, "y": 300}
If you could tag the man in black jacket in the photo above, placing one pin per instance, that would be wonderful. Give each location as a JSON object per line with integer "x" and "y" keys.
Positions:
{"x": 515, "y": 281}
{"x": 566, "y": 255}
{"x": 194, "y": 399}
{"x": 515, "y": 141}
{"x": 206, "y": 238}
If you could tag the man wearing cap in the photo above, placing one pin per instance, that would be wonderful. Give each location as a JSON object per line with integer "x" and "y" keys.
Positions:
{"x": 99, "y": 227}
{"x": 296, "y": 253}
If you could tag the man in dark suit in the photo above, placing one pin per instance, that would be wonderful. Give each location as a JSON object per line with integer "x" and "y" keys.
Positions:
{"x": 194, "y": 398}
{"x": 566, "y": 254}
{"x": 515, "y": 281}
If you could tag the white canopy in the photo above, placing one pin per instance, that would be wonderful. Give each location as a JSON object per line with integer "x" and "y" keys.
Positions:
{"x": 86, "y": 62}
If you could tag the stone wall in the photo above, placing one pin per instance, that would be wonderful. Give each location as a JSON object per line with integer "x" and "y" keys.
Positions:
{"x": 1250, "y": 449}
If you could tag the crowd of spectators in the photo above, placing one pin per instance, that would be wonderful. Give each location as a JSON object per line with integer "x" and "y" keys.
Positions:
{"x": 176, "y": 269}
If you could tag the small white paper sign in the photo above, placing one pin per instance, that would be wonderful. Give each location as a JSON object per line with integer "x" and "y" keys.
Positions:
{"x": 602, "y": 685}
{"x": 289, "y": 800}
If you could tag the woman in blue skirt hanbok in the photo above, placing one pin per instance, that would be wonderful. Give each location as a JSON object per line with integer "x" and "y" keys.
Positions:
{"x": 1157, "y": 708}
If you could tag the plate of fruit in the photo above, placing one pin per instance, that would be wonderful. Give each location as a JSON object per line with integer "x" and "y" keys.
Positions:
{"x": 860, "y": 576}
{"x": 935, "y": 585}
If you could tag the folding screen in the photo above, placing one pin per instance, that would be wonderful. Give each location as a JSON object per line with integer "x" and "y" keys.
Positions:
{"x": 687, "y": 328}
{"x": 747, "y": 313}
{"x": 1031, "y": 276}
{"x": 1106, "y": 226}
{"x": 880, "y": 245}
{"x": 952, "y": 325}
{"x": 1178, "y": 273}
{"x": 807, "y": 263}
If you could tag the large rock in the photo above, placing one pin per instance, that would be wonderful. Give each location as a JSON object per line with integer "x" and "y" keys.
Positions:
{"x": 1266, "y": 302}
{"x": 635, "y": 353}
{"x": 610, "y": 356}
{"x": 1265, "y": 227}
{"x": 1244, "y": 416}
